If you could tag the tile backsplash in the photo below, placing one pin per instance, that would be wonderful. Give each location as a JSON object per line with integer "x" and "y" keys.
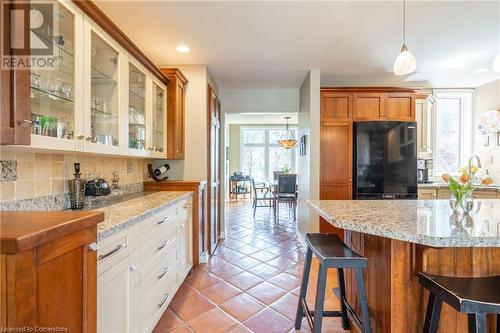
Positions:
{"x": 27, "y": 174}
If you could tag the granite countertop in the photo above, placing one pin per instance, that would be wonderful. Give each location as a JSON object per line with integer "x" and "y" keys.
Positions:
{"x": 132, "y": 209}
{"x": 493, "y": 187}
{"x": 427, "y": 222}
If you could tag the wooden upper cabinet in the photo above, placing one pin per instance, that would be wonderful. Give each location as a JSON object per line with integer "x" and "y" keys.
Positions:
{"x": 400, "y": 106}
{"x": 176, "y": 95}
{"x": 369, "y": 106}
{"x": 15, "y": 112}
{"x": 336, "y": 106}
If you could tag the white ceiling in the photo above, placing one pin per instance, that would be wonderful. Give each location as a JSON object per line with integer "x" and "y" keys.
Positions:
{"x": 258, "y": 44}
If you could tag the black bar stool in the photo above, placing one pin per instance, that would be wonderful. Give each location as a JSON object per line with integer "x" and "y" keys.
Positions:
{"x": 332, "y": 253}
{"x": 475, "y": 296}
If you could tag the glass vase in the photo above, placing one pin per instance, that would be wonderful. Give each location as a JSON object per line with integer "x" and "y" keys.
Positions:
{"x": 467, "y": 203}
{"x": 454, "y": 203}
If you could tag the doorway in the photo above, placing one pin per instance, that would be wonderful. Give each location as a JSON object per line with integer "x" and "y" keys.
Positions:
{"x": 252, "y": 159}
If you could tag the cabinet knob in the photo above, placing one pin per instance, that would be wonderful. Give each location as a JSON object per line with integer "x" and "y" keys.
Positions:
{"x": 133, "y": 268}
{"x": 182, "y": 225}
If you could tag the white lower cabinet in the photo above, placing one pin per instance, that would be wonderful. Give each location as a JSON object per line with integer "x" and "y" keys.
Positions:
{"x": 141, "y": 268}
{"x": 113, "y": 294}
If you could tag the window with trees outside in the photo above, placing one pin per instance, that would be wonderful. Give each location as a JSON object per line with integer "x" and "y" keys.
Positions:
{"x": 260, "y": 153}
{"x": 453, "y": 129}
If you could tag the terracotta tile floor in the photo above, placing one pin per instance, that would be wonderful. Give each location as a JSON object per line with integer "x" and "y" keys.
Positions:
{"x": 251, "y": 283}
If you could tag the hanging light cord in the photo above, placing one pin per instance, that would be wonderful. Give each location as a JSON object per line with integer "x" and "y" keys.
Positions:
{"x": 404, "y": 22}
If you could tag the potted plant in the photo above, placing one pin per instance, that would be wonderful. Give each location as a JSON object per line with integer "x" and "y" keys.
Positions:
{"x": 286, "y": 169}
{"x": 463, "y": 187}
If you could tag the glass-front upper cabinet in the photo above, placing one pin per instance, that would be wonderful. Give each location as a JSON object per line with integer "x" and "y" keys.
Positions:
{"x": 103, "y": 121}
{"x": 52, "y": 91}
{"x": 136, "y": 108}
{"x": 158, "y": 120}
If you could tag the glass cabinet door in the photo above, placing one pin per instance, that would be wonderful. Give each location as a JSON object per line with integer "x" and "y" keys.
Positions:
{"x": 136, "y": 108}
{"x": 158, "y": 128}
{"x": 104, "y": 103}
{"x": 52, "y": 90}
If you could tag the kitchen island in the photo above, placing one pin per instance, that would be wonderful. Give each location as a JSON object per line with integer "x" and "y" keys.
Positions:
{"x": 402, "y": 238}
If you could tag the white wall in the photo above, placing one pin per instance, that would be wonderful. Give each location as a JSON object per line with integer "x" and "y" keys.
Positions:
{"x": 259, "y": 100}
{"x": 487, "y": 98}
{"x": 308, "y": 165}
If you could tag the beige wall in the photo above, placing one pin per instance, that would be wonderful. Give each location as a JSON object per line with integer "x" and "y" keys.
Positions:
{"x": 308, "y": 165}
{"x": 234, "y": 148}
{"x": 260, "y": 100}
{"x": 487, "y": 97}
{"x": 42, "y": 173}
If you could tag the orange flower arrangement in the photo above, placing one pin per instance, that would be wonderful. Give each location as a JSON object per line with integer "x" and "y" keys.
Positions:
{"x": 465, "y": 185}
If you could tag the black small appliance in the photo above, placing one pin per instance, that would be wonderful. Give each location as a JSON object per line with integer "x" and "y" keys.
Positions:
{"x": 385, "y": 160}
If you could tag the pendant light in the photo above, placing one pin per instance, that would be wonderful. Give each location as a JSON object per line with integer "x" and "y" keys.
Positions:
{"x": 406, "y": 62}
{"x": 287, "y": 139}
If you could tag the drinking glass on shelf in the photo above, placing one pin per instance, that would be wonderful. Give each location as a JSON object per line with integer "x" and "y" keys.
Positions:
{"x": 35, "y": 80}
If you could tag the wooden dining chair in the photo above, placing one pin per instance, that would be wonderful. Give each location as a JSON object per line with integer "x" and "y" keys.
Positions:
{"x": 286, "y": 192}
{"x": 261, "y": 198}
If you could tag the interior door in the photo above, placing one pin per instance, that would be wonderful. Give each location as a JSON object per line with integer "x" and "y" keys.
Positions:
{"x": 214, "y": 170}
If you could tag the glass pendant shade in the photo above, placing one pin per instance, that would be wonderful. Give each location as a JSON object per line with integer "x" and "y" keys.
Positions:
{"x": 405, "y": 63}
{"x": 287, "y": 139}
{"x": 496, "y": 63}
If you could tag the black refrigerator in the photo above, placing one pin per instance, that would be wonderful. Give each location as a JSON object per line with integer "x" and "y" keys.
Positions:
{"x": 385, "y": 160}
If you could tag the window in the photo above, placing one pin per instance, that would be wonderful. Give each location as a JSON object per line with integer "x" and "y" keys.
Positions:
{"x": 453, "y": 130}
{"x": 260, "y": 154}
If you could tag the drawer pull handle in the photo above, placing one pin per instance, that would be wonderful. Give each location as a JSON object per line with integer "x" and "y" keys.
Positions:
{"x": 163, "y": 273}
{"x": 93, "y": 246}
{"x": 188, "y": 205}
{"x": 163, "y": 300}
{"x": 164, "y": 244}
{"x": 165, "y": 219}
{"x": 116, "y": 249}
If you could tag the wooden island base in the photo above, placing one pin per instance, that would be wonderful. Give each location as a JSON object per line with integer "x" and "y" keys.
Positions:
{"x": 397, "y": 302}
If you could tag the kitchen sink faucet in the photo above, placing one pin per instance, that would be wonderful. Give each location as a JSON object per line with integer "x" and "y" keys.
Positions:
{"x": 470, "y": 162}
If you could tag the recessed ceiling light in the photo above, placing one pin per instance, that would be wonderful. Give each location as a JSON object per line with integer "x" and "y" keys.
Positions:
{"x": 182, "y": 48}
{"x": 480, "y": 70}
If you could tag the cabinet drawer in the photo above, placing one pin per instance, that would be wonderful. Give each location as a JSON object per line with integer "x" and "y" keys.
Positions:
{"x": 427, "y": 194}
{"x": 111, "y": 251}
{"x": 154, "y": 305}
{"x": 184, "y": 210}
{"x": 158, "y": 258}
{"x": 157, "y": 244}
{"x": 484, "y": 194}
{"x": 160, "y": 271}
{"x": 156, "y": 221}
